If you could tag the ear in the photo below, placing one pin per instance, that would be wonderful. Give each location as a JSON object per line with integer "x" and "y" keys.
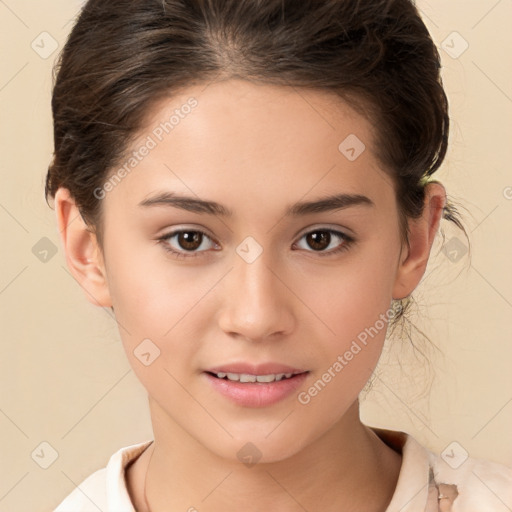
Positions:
{"x": 83, "y": 254}
{"x": 422, "y": 232}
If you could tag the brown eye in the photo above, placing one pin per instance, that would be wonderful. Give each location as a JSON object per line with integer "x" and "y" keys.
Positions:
{"x": 187, "y": 243}
{"x": 319, "y": 240}
{"x": 322, "y": 239}
{"x": 189, "y": 240}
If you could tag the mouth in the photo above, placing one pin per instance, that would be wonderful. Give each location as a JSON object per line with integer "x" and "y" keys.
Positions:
{"x": 250, "y": 378}
{"x": 255, "y": 386}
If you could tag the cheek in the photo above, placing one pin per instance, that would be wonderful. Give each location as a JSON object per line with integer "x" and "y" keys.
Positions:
{"x": 353, "y": 297}
{"x": 162, "y": 301}
{"x": 355, "y": 306}
{"x": 151, "y": 292}
{"x": 360, "y": 322}
{"x": 153, "y": 302}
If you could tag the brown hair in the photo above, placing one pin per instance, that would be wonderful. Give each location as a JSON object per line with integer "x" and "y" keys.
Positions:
{"x": 123, "y": 56}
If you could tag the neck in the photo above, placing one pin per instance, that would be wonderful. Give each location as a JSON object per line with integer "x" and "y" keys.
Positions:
{"x": 349, "y": 468}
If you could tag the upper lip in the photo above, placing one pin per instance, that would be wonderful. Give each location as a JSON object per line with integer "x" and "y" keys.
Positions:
{"x": 255, "y": 369}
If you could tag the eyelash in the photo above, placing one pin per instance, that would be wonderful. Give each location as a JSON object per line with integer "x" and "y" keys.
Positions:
{"x": 348, "y": 241}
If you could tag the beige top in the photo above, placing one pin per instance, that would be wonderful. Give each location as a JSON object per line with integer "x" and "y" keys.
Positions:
{"x": 426, "y": 483}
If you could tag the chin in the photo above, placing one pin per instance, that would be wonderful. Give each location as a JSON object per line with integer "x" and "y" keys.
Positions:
{"x": 257, "y": 448}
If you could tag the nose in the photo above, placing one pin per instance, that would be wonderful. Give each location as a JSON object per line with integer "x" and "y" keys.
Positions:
{"x": 257, "y": 302}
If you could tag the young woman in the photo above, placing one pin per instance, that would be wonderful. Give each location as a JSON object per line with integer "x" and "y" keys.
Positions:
{"x": 247, "y": 184}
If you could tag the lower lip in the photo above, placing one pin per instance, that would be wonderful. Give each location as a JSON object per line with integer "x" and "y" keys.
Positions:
{"x": 256, "y": 394}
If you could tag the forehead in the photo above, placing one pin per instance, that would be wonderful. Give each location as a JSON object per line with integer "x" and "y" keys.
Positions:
{"x": 218, "y": 139}
{"x": 262, "y": 116}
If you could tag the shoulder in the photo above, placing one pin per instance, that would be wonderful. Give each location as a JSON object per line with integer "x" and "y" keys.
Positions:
{"x": 105, "y": 489}
{"x": 89, "y": 496}
{"x": 451, "y": 481}
{"x": 481, "y": 485}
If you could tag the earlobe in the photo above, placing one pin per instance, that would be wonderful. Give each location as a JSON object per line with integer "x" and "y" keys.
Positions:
{"x": 422, "y": 232}
{"x": 83, "y": 254}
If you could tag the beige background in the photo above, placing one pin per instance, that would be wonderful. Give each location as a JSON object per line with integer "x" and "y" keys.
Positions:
{"x": 64, "y": 377}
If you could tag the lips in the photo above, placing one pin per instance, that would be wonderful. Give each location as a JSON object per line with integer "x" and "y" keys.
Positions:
{"x": 255, "y": 385}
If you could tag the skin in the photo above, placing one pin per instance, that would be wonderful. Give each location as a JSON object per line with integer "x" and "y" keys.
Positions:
{"x": 255, "y": 149}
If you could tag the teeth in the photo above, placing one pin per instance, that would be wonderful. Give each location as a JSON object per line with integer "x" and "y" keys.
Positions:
{"x": 265, "y": 378}
{"x": 246, "y": 377}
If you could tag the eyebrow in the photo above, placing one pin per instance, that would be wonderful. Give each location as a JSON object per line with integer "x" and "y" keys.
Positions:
{"x": 191, "y": 204}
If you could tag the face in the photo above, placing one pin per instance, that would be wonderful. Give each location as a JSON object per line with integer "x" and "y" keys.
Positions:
{"x": 264, "y": 283}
